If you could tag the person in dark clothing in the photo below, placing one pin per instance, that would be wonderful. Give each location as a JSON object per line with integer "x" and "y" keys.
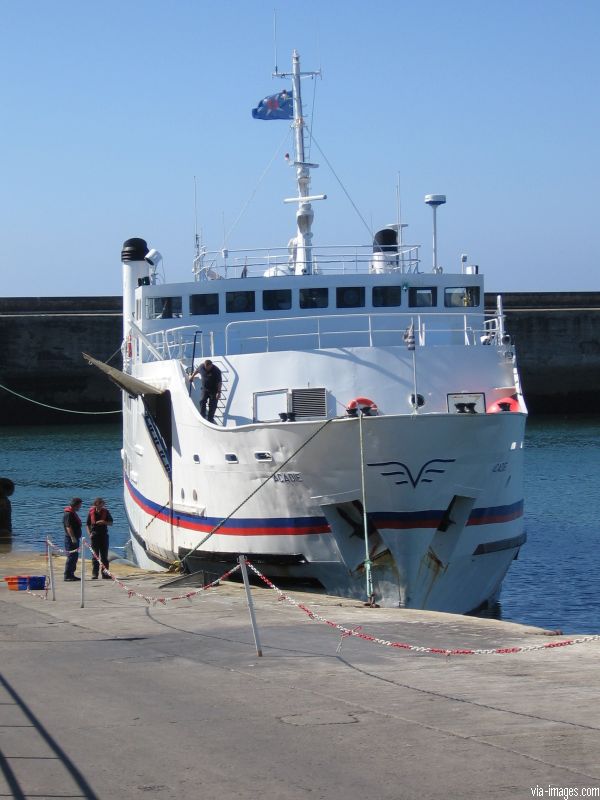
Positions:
{"x": 72, "y": 526}
{"x": 211, "y": 388}
{"x": 98, "y": 521}
{"x": 7, "y": 487}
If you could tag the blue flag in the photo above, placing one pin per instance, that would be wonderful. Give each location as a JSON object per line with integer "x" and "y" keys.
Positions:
{"x": 276, "y": 106}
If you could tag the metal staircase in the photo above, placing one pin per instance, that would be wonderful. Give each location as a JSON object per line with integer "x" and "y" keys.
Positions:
{"x": 159, "y": 442}
{"x": 222, "y": 404}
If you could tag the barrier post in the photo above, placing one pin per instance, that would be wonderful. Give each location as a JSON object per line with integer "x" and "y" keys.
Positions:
{"x": 367, "y": 562}
{"x": 242, "y": 560}
{"x": 50, "y": 567}
{"x": 82, "y": 557}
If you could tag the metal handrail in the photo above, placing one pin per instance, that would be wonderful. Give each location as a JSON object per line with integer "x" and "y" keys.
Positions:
{"x": 472, "y": 336}
{"x": 343, "y": 259}
{"x": 178, "y": 342}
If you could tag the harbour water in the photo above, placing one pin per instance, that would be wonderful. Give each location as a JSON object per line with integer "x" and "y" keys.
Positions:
{"x": 555, "y": 583}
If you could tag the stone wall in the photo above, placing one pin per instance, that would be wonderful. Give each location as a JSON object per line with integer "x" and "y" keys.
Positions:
{"x": 41, "y": 341}
{"x": 557, "y": 336}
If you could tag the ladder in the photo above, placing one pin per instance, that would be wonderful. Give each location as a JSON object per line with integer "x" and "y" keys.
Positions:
{"x": 159, "y": 442}
{"x": 222, "y": 403}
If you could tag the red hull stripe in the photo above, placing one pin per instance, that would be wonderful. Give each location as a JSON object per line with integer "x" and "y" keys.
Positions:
{"x": 303, "y": 526}
{"x": 299, "y": 526}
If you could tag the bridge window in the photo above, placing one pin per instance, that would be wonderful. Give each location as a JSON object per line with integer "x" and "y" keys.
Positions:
{"x": 387, "y": 296}
{"x": 350, "y": 296}
{"x": 422, "y": 296}
{"x": 277, "y": 299}
{"x": 239, "y": 302}
{"x": 465, "y": 297}
{"x": 314, "y": 298}
{"x": 163, "y": 307}
{"x": 202, "y": 304}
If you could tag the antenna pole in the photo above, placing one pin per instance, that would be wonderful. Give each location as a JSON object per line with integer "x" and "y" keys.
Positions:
{"x": 196, "y": 237}
{"x": 435, "y": 200}
{"x": 399, "y": 207}
{"x": 304, "y": 215}
{"x": 275, "y": 37}
{"x": 198, "y": 247}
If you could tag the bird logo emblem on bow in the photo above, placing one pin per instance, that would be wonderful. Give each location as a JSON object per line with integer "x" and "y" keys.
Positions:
{"x": 429, "y": 468}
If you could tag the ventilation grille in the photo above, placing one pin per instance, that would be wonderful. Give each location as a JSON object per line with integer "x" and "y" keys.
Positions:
{"x": 309, "y": 403}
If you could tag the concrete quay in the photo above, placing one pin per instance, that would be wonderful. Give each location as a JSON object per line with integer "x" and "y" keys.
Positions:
{"x": 122, "y": 699}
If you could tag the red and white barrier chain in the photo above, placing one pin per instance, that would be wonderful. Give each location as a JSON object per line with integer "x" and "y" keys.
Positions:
{"x": 47, "y": 576}
{"x": 154, "y": 600}
{"x": 40, "y": 596}
{"x": 442, "y": 651}
{"x": 147, "y": 598}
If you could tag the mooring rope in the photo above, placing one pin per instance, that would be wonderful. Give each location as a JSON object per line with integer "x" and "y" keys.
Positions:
{"x": 55, "y": 408}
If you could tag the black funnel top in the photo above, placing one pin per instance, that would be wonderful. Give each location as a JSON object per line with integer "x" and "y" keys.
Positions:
{"x": 385, "y": 241}
{"x": 134, "y": 250}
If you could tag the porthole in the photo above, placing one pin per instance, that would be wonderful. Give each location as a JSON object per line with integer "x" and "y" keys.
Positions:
{"x": 183, "y": 494}
{"x": 264, "y": 455}
{"x": 231, "y": 458}
{"x": 195, "y": 496}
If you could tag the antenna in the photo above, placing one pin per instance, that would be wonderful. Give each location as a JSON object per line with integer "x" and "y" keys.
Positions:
{"x": 304, "y": 215}
{"x": 399, "y": 210}
{"x": 196, "y": 237}
{"x": 435, "y": 200}
{"x": 197, "y": 264}
{"x": 275, "y": 36}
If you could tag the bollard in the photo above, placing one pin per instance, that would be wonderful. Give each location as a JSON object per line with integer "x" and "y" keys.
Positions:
{"x": 242, "y": 560}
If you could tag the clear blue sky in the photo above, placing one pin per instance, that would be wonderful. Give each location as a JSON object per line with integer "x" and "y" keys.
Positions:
{"x": 110, "y": 107}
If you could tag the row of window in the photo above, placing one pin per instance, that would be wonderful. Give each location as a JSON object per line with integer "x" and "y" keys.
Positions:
{"x": 244, "y": 302}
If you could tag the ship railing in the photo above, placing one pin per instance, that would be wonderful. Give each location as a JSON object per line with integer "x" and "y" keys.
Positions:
{"x": 182, "y": 342}
{"x": 493, "y": 332}
{"x": 354, "y": 330}
{"x": 334, "y": 259}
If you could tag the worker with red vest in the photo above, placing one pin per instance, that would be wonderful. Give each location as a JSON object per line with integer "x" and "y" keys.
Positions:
{"x": 98, "y": 522}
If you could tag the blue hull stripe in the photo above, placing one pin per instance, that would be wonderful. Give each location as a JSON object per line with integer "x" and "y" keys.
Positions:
{"x": 302, "y": 526}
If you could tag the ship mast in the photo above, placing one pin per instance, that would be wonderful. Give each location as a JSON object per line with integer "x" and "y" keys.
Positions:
{"x": 304, "y": 216}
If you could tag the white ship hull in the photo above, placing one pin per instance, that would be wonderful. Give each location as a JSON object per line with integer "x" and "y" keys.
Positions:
{"x": 443, "y": 496}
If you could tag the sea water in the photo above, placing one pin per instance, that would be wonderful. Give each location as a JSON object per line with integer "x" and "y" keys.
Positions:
{"x": 554, "y": 583}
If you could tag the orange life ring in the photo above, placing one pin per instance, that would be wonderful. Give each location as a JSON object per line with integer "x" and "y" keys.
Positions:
{"x": 504, "y": 404}
{"x": 365, "y": 404}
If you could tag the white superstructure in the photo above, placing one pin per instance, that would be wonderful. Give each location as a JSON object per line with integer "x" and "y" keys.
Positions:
{"x": 370, "y": 429}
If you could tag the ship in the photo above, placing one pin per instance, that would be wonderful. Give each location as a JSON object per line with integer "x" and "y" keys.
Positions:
{"x": 368, "y": 437}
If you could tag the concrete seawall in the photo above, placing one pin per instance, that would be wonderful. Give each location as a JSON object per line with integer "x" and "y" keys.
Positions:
{"x": 41, "y": 341}
{"x": 557, "y": 336}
